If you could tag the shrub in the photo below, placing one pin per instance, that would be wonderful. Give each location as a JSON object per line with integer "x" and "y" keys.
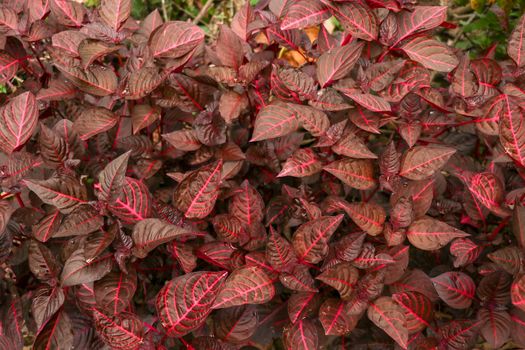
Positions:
{"x": 282, "y": 184}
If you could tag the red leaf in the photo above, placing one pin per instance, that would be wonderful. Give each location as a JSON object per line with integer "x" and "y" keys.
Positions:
{"x": 112, "y": 178}
{"x": 304, "y": 13}
{"x": 94, "y": 121}
{"x": 464, "y": 251}
{"x": 185, "y": 302}
{"x": 313, "y": 120}
{"x": 230, "y": 50}
{"x": 247, "y": 285}
{"x": 18, "y": 118}
{"x": 456, "y": 289}
{"x": 370, "y": 217}
{"x": 431, "y": 234}
{"x": 46, "y": 302}
{"x": 512, "y": 130}
{"x": 337, "y": 63}
{"x": 56, "y": 333}
{"x": 431, "y": 54}
{"x": 134, "y": 203}
{"x": 302, "y": 335}
{"x": 115, "y": 291}
{"x": 418, "y": 310}
{"x": 143, "y": 116}
{"x": 335, "y": 318}
{"x": 356, "y": 173}
{"x": 302, "y": 163}
{"x": 115, "y": 12}
{"x": 279, "y": 252}
{"x": 353, "y": 147}
{"x": 516, "y": 44}
{"x": 64, "y": 193}
{"x": 342, "y": 277}
{"x": 302, "y": 305}
{"x": 357, "y": 18}
{"x": 150, "y": 233}
{"x": 422, "y": 18}
{"x": 371, "y": 102}
{"x": 123, "y": 331}
{"x": 78, "y": 270}
{"x": 8, "y": 67}
{"x": 389, "y": 316}
{"x": 68, "y": 13}
{"x": 247, "y": 204}
{"x": 310, "y": 240}
{"x": 273, "y": 121}
{"x": 235, "y": 324}
{"x": 175, "y": 39}
{"x": 421, "y": 162}
{"x": 496, "y": 326}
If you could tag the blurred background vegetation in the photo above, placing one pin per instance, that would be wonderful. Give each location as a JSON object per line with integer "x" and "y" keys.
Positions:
{"x": 482, "y": 24}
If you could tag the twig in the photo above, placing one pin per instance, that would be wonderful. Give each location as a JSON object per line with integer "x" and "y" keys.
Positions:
{"x": 461, "y": 31}
{"x": 203, "y": 11}
{"x": 164, "y": 10}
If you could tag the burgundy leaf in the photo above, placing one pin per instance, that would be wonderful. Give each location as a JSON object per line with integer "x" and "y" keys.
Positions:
{"x": 112, "y": 177}
{"x": 279, "y": 252}
{"x": 115, "y": 291}
{"x": 369, "y": 217}
{"x": 78, "y": 269}
{"x": 82, "y": 221}
{"x": 512, "y": 130}
{"x": 19, "y": 118}
{"x": 68, "y": 13}
{"x": 357, "y": 18}
{"x": 455, "y": 288}
{"x": 56, "y": 333}
{"x": 248, "y": 285}
{"x": 516, "y": 46}
{"x": 64, "y": 193}
{"x": 310, "y": 240}
{"x": 418, "y": 310}
{"x": 342, "y": 277}
{"x": 464, "y": 251}
{"x": 195, "y": 196}
{"x": 496, "y": 326}
{"x": 313, "y": 120}
{"x": 302, "y": 163}
{"x": 184, "y": 303}
{"x": 42, "y": 262}
{"x": 304, "y": 13}
{"x": 337, "y": 63}
{"x": 302, "y": 304}
{"x": 175, "y": 39}
{"x": 431, "y": 234}
{"x": 423, "y": 18}
{"x": 247, "y": 204}
{"x": 389, "y": 316}
{"x": 150, "y": 233}
{"x": 46, "y": 302}
{"x": 431, "y": 54}
{"x": 353, "y": 147}
{"x": 235, "y": 324}
{"x": 8, "y": 67}
{"x": 273, "y": 121}
{"x": 421, "y": 162}
{"x": 124, "y": 331}
{"x": 371, "y": 102}
{"x": 356, "y": 173}
{"x": 143, "y": 116}
{"x": 301, "y": 335}
{"x": 335, "y": 318}
{"x": 229, "y": 228}
{"x": 115, "y": 12}
{"x": 94, "y": 121}
{"x": 134, "y": 203}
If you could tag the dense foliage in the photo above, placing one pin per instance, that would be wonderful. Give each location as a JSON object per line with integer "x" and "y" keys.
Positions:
{"x": 285, "y": 186}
